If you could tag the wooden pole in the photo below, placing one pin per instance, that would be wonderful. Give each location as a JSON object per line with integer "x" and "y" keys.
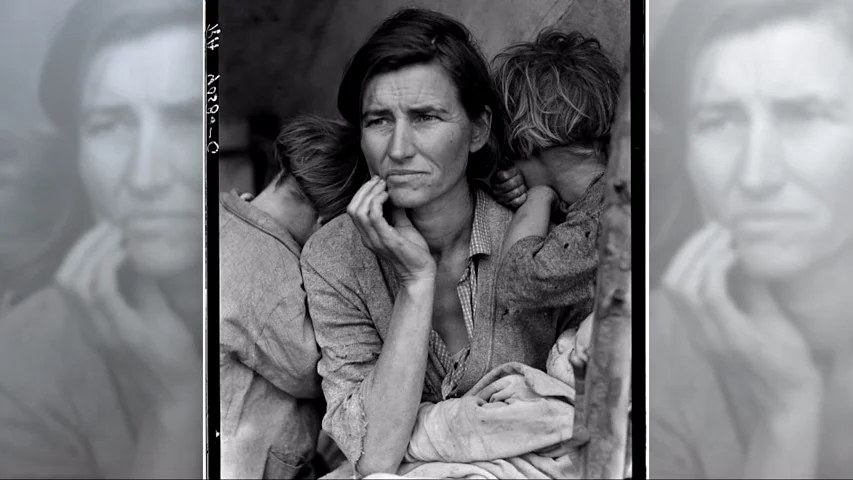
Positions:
{"x": 606, "y": 400}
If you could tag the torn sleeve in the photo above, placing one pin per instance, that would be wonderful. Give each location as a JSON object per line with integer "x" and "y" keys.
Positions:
{"x": 349, "y": 346}
{"x": 557, "y": 270}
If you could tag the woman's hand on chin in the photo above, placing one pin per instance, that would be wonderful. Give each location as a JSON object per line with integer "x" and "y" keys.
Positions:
{"x": 147, "y": 337}
{"x": 401, "y": 244}
{"x": 762, "y": 356}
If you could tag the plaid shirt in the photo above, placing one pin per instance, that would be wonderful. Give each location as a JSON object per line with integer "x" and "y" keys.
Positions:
{"x": 452, "y": 367}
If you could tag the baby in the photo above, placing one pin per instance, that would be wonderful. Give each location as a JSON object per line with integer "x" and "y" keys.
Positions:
{"x": 560, "y": 93}
{"x": 569, "y": 355}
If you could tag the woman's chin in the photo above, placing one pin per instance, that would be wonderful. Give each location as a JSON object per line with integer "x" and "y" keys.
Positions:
{"x": 772, "y": 262}
{"x": 407, "y": 198}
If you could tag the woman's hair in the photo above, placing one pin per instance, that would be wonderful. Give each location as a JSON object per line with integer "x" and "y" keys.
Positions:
{"x": 321, "y": 155}
{"x": 415, "y": 36}
{"x": 559, "y": 90}
{"x": 48, "y": 211}
{"x": 90, "y": 26}
{"x": 694, "y": 24}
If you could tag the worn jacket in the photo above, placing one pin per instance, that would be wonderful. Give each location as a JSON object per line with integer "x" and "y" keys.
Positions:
{"x": 557, "y": 270}
{"x": 351, "y": 294}
{"x": 269, "y": 388}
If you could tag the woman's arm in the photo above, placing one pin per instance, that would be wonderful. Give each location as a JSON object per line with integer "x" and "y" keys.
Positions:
{"x": 785, "y": 443}
{"x": 373, "y": 386}
{"x": 394, "y": 388}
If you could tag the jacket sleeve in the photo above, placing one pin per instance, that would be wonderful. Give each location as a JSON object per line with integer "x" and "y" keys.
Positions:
{"x": 555, "y": 271}
{"x": 349, "y": 345}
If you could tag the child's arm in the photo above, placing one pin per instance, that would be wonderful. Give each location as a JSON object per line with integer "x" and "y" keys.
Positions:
{"x": 532, "y": 217}
{"x": 557, "y": 269}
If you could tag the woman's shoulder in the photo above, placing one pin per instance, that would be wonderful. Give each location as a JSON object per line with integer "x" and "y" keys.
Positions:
{"x": 335, "y": 244}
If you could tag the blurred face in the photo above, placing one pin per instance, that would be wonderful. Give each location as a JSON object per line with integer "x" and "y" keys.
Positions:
{"x": 417, "y": 135}
{"x": 770, "y": 149}
{"x": 561, "y": 170}
{"x": 141, "y": 146}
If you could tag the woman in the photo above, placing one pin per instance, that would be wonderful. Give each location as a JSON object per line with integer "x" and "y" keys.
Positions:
{"x": 101, "y": 374}
{"x": 751, "y": 335}
{"x": 400, "y": 290}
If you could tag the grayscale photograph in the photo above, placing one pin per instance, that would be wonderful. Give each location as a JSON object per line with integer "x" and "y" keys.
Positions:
{"x": 425, "y": 239}
{"x": 101, "y": 238}
{"x": 750, "y": 239}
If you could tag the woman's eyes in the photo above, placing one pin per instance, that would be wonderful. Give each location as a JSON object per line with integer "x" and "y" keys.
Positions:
{"x": 378, "y": 122}
{"x": 426, "y": 118}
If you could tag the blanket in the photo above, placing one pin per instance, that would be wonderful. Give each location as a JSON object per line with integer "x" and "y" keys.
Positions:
{"x": 516, "y": 422}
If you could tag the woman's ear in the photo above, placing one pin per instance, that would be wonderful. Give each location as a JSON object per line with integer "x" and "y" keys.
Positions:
{"x": 482, "y": 129}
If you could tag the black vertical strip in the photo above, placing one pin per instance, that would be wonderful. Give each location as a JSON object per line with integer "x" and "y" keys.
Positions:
{"x": 212, "y": 82}
{"x": 638, "y": 234}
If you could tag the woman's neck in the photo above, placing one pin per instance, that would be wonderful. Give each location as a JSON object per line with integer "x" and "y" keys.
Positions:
{"x": 820, "y": 304}
{"x": 446, "y": 222}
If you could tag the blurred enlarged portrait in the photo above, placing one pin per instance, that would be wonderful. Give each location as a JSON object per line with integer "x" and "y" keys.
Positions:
{"x": 751, "y": 339}
{"x": 101, "y": 251}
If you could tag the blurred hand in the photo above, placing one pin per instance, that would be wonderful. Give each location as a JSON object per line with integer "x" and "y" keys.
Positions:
{"x": 148, "y": 337}
{"x": 401, "y": 244}
{"x": 763, "y": 357}
{"x": 509, "y": 188}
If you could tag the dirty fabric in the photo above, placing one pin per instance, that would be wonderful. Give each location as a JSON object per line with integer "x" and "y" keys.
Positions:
{"x": 500, "y": 429}
{"x": 514, "y": 423}
{"x": 557, "y": 270}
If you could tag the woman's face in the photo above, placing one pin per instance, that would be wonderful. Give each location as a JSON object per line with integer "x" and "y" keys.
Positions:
{"x": 770, "y": 143}
{"x": 141, "y": 146}
{"x": 416, "y": 134}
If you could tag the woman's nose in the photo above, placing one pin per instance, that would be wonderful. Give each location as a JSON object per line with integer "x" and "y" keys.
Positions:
{"x": 150, "y": 167}
{"x": 401, "y": 147}
{"x": 762, "y": 169}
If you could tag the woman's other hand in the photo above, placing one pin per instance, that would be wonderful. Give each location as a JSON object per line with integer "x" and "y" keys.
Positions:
{"x": 509, "y": 188}
{"x": 762, "y": 356}
{"x": 401, "y": 244}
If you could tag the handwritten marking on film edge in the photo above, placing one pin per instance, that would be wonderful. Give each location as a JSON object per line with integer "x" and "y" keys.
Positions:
{"x": 212, "y": 44}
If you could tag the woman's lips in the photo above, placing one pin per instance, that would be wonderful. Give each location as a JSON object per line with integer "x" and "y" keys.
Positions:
{"x": 760, "y": 224}
{"x": 402, "y": 176}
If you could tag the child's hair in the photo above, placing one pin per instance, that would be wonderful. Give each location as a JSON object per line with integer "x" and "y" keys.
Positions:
{"x": 322, "y": 157}
{"x": 559, "y": 90}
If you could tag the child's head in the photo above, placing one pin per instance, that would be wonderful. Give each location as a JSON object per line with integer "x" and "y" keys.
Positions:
{"x": 318, "y": 165}
{"x": 560, "y": 93}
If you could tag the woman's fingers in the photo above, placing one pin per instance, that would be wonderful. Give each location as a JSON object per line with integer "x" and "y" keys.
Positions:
{"x": 79, "y": 269}
{"x": 683, "y": 264}
{"x": 106, "y": 297}
{"x": 81, "y": 253}
{"x": 357, "y": 199}
{"x": 358, "y": 208}
{"x": 377, "y": 225}
{"x": 707, "y": 254}
{"x": 684, "y": 282}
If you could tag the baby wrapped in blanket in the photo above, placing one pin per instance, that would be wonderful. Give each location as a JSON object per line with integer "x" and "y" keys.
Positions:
{"x": 517, "y": 422}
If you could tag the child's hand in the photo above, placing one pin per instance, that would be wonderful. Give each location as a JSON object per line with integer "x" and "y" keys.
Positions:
{"x": 509, "y": 188}
{"x": 579, "y": 355}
